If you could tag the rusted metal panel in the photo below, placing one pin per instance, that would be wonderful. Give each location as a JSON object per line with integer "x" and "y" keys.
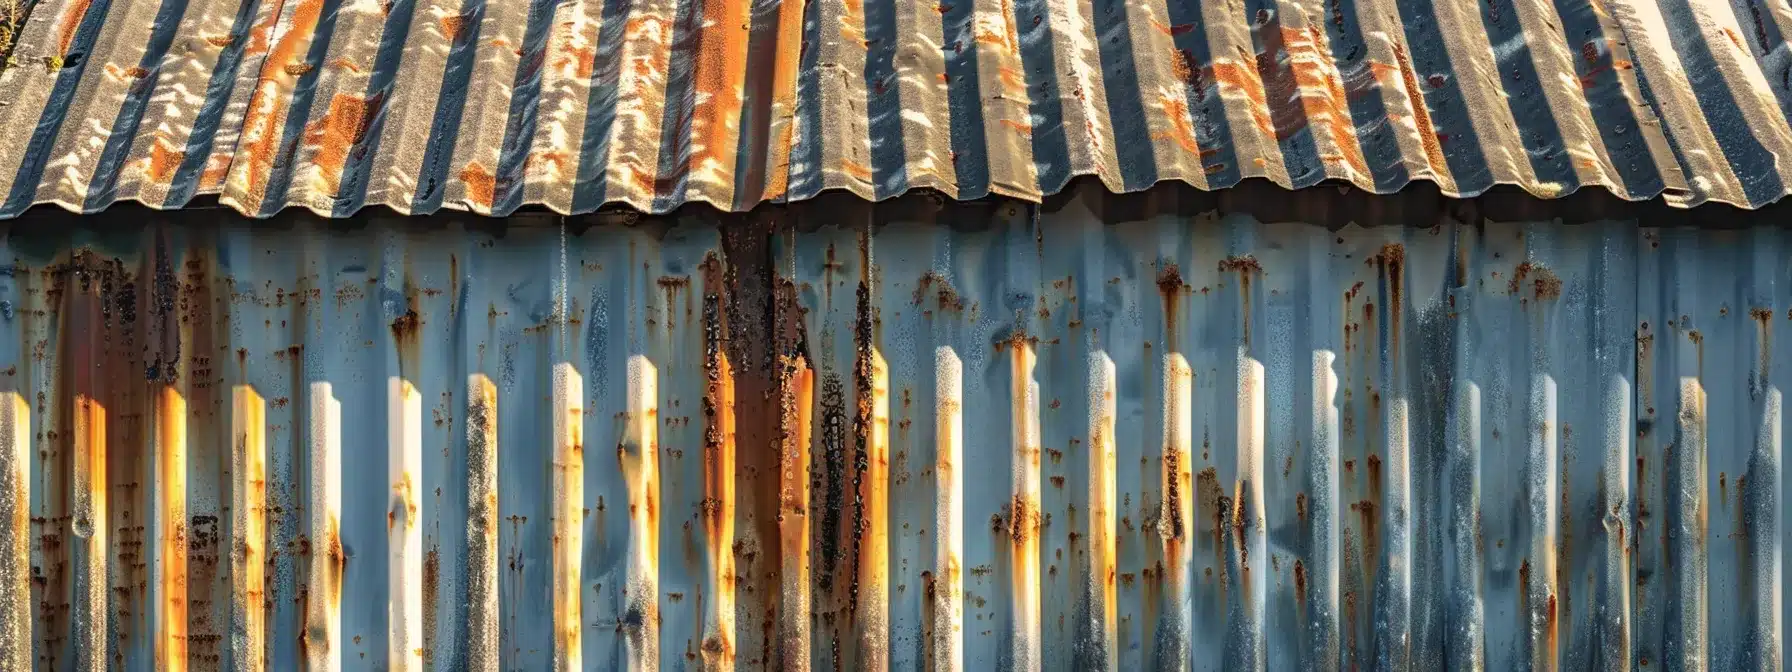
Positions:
{"x": 982, "y": 437}
{"x": 425, "y": 105}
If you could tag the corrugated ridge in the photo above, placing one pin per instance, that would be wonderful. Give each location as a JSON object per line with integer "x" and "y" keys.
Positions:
{"x": 424, "y": 105}
{"x": 1043, "y": 440}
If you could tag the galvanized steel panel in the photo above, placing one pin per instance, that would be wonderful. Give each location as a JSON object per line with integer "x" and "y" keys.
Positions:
{"x": 423, "y": 105}
{"x": 1027, "y": 440}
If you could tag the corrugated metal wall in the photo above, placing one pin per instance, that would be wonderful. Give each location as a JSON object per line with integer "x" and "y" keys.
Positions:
{"x": 1017, "y": 439}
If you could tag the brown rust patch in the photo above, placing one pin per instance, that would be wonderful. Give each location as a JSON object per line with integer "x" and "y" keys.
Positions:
{"x": 340, "y": 132}
{"x": 481, "y": 184}
{"x": 1421, "y": 114}
{"x": 1296, "y": 64}
{"x": 72, "y": 17}
{"x": 263, "y": 135}
{"x": 1543, "y": 282}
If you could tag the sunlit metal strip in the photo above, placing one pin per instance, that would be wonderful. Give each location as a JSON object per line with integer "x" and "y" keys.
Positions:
{"x": 171, "y": 522}
{"x": 248, "y": 529}
{"x": 639, "y": 454}
{"x": 482, "y": 524}
{"x": 90, "y": 527}
{"x": 323, "y": 619}
{"x": 794, "y": 597}
{"x": 568, "y": 513}
{"x": 15, "y": 510}
{"x": 945, "y": 647}
{"x": 1100, "y": 588}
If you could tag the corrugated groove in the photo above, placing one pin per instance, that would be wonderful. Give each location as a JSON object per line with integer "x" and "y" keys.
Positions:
{"x": 1009, "y": 439}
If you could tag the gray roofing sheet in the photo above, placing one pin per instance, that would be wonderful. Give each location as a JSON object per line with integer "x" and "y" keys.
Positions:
{"x": 420, "y": 105}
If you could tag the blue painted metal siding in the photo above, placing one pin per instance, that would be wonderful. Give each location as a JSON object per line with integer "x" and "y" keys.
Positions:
{"x": 1022, "y": 440}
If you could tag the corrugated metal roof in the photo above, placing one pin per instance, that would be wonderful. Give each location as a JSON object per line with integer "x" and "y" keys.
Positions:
{"x": 941, "y": 442}
{"x": 420, "y": 105}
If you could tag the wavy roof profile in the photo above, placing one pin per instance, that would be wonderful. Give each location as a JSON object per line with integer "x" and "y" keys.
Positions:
{"x": 422, "y": 105}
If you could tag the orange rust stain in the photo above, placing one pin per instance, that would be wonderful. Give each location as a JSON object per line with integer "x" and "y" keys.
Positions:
{"x": 779, "y": 129}
{"x": 1308, "y": 76}
{"x": 345, "y": 64}
{"x": 217, "y": 168}
{"x": 71, "y": 23}
{"x": 1022, "y": 128}
{"x": 221, "y": 41}
{"x": 1428, "y": 137}
{"x": 1543, "y": 282}
{"x": 171, "y": 420}
{"x": 341, "y": 129}
{"x": 164, "y": 160}
{"x": 1173, "y": 30}
{"x": 580, "y": 60}
{"x": 856, "y": 170}
{"x": 481, "y": 184}
{"x": 261, "y": 128}
{"x": 454, "y": 27}
{"x": 1012, "y": 79}
{"x": 718, "y": 508}
{"x": 1182, "y": 130}
{"x": 553, "y": 162}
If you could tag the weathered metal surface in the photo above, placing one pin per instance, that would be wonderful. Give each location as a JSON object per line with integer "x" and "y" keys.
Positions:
{"x": 987, "y": 438}
{"x": 423, "y": 105}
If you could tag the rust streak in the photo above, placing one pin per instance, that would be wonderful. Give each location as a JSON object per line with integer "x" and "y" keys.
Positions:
{"x": 718, "y": 510}
{"x": 249, "y": 527}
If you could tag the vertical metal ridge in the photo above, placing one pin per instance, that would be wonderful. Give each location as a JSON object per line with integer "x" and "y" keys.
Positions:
{"x": 569, "y": 61}
{"x": 1758, "y": 487}
{"x": 1175, "y": 520}
{"x": 719, "y": 637}
{"x": 920, "y": 87}
{"x": 248, "y": 529}
{"x": 1248, "y": 517}
{"x": 90, "y": 525}
{"x": 1686, "y": 637}
{"x": 1614, "y": 314}
{"x": 719, "y": 80}
{"x": 323, "y": 619}
{"x": 568, "y": 513}
{"x": 1246, "y": 143}
{"x": 1649, "y": 511}
{"x": 1322, "y": 578}
{"x": 1006, "y": 100}
{"x": 1393, "y": 592}
{"x": 262, "y": 148}
{"x": 1465, "y": 613}
{"x": 945, "y": 647}
{"x": 15, "y": 511}
{"x": 482, "y": 524}
{"x": 785, "y": 30}
{"x": 1538, "y": 578}
{"x": 404, "y": 465}
{"x": 632, "y": 167}
{"x": 830, "y": 146}
{"x": 1024, "y": 517}
{"x": 171, "y": 524}
{"x": 639, "y": 455}
{"x": 1100, "y": 589}
{"x": 348, "y": 102}
{"x": 794, "y": 601}
{"x": 1088, "y": 133}
{"x": 873, "y": 572}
